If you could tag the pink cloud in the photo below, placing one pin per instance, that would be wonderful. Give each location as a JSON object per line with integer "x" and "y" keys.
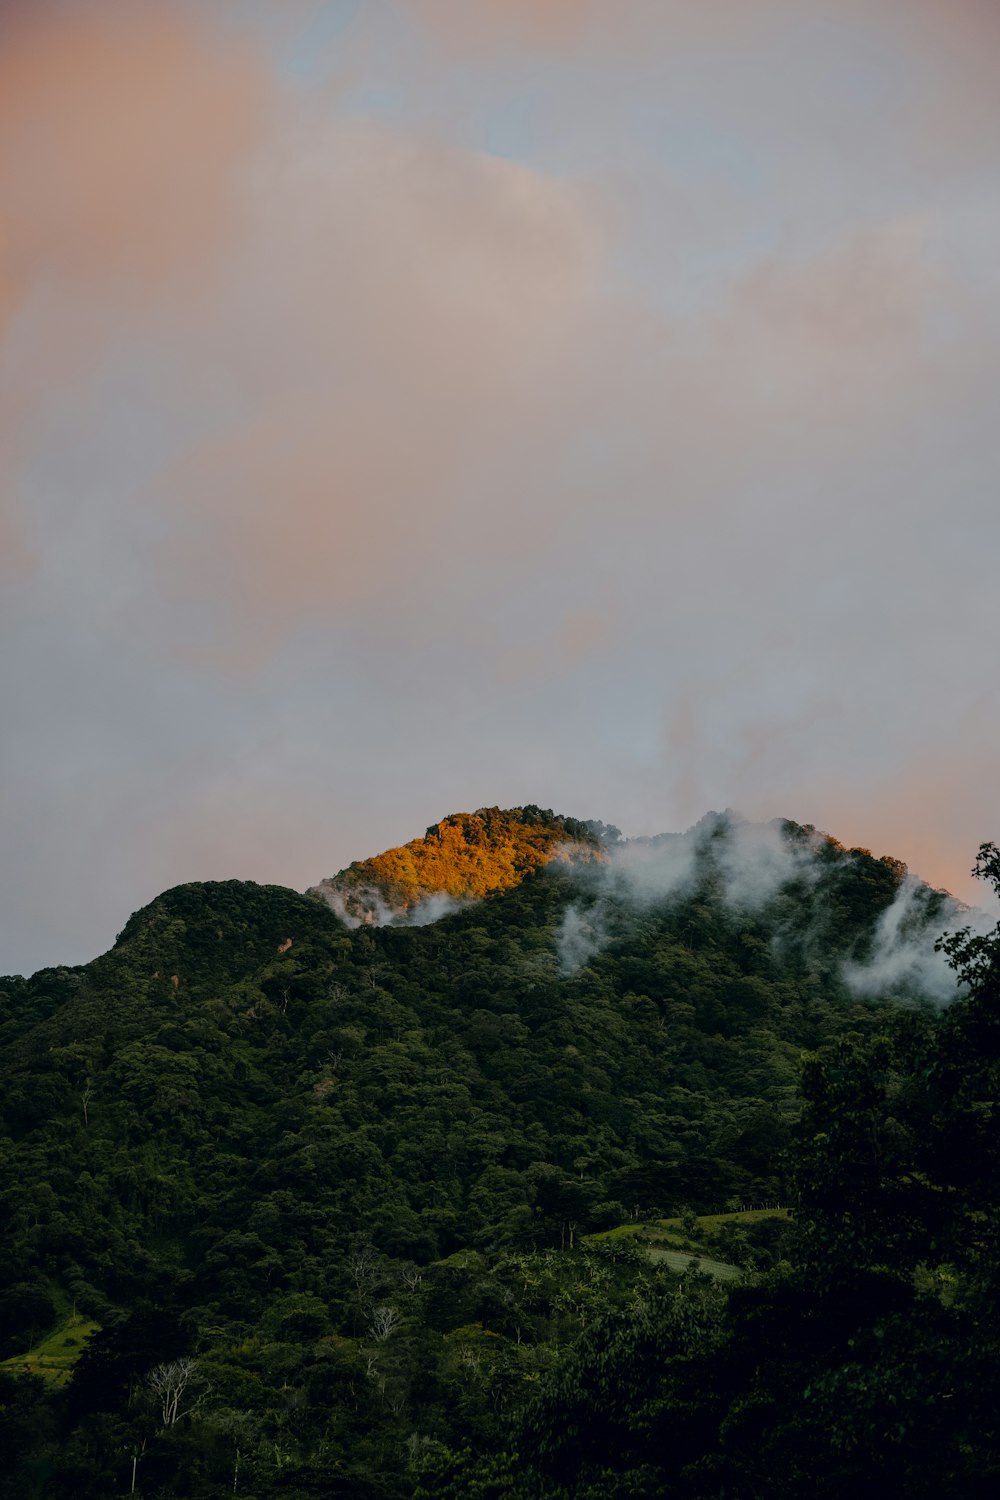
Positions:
{"x": 120, "y": 125}
{"x": 543, "y": 24}
{"x": 418, "y": 409}
{"x": 559, "y": 26}
{"x": 121, "y": 129}
{"x": 414, "y": 305}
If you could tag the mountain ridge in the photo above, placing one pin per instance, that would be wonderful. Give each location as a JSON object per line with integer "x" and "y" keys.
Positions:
{"x": 464, "y": 857}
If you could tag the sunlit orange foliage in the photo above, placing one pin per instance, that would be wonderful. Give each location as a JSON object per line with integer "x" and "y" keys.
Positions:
{"x": 466, "y": 856}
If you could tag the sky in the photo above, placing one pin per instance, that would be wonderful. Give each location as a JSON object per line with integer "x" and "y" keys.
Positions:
{"x": 414, "y": 405}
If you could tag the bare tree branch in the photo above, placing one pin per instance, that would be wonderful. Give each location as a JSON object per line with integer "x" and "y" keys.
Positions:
{"x": 170, "y": 1383}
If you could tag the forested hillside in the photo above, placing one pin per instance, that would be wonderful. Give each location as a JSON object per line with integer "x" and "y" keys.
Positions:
{"x": 302, "y": 1203}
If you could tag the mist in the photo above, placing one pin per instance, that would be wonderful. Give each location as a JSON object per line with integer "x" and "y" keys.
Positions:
{"x": 786, "y": 872}
{"x": 364, "y": 906}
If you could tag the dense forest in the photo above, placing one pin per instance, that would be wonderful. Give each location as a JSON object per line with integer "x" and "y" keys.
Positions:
{"x": 645, "y": 1169}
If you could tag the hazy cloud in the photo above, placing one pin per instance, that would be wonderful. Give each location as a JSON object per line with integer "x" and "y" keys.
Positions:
{"x": 122, "y": 127}
{"x": 363, "y": 906}
{"x": 581, "y": 934}
{"x": 415, "y": 306}
{"x": 752, "y": 864}
{"x": 581, "y": 404}
{"x": 903, "y": 951}
{"x": 545, "y": 24}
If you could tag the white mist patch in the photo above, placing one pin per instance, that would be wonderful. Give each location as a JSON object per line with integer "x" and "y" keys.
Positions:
{"x": 652, "y": 870}
{"x": 431, "y": 909}
{"x": 642, "y": 872}
{"x": 903, "y": 949}
{"x": 753, "y": 861}
{"x": 363, "y": 906}
{"x": 756, "y": 861}
{"x": 748, "y": 866}
{"x": 356, "y": 908}
{"x": 580, "y": 936}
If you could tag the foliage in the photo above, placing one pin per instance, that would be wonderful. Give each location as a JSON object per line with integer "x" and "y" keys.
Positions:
{"x": 466, "y": 856}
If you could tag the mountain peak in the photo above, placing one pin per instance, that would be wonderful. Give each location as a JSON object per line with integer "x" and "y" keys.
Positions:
{"x": 464, "y": 857}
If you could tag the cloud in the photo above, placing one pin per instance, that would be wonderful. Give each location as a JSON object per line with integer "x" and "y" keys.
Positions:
{"x": 122, "y": 129}
{"x": 650, "y": 471}
{"x": 958, "y": 43}
{"x": 406, "y": 338}
{"x": 433, "y": 333}
{"x": 865, "y": 298}
{"x": 359, "y": 319}
{"x": 105, "y": 180}
{"x": 750, "y": 865}
{"x": 560, "y": 27}
{"x": 547, "y": 25}
{"x": 362, "y": 906}
{"x": 903, "y": 953}
{"x": 412, "y": 305}
{"x": 580, "y": 936}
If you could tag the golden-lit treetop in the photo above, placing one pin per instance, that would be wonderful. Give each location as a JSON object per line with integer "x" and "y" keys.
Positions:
{"x": 466, "y": 856}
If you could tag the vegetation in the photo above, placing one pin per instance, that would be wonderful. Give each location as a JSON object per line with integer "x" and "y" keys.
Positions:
{"x": 465, "y": 857}
{"x": 411, "y": 1210}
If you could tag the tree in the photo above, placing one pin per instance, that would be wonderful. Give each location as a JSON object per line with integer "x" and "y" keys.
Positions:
{"x": 975, "y": 957}
{"x": 175, "y": 1382}
{"x": 385, "y": 1320}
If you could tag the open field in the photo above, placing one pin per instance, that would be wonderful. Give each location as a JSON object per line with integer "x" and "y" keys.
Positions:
{"x": 667, "y": 1242}
{"x": 55, "y": 1355}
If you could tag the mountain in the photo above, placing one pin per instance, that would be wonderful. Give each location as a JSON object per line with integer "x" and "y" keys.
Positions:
{"x": 375, "y": 1175}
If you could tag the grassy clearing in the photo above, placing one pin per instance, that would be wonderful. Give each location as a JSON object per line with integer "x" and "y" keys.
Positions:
{"x": 55, "y": 1355}
{"x": 710, "y": 1223}
{"x": 676, "y": 1251}
{"x": 681, "y": 1260}
{"x": 667, "y": 1242}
